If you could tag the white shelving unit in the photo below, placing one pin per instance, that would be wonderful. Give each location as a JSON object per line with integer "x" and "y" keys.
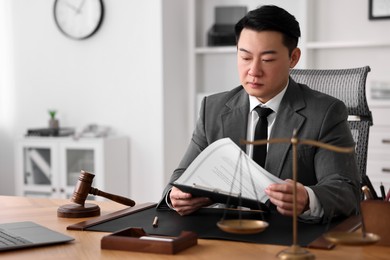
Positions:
{"x": 50, "y": 166}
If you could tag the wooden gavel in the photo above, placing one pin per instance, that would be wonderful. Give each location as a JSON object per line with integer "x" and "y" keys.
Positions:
{"x": 84, "y": 187}
{"x": 81, "y": 209}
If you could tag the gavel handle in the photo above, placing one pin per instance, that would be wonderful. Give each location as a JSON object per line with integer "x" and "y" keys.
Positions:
{"x": 116, "y": 198}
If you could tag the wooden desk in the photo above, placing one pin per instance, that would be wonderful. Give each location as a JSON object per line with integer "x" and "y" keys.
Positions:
{"x": 87, "y": 244}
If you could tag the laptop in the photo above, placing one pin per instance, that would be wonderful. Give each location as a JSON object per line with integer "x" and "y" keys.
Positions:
{"x": 17, "y": 235}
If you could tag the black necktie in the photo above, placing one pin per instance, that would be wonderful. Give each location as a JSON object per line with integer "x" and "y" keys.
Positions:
{"x": 260, "y": 151}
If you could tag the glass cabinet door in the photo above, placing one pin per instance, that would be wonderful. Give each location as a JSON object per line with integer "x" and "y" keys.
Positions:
{"x": 76, "y": 161}
{"x": 37, "y": 166}
{"x": 37, "y": 170}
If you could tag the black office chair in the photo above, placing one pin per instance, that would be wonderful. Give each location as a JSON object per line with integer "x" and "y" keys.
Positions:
{"x": 348, "y": 85}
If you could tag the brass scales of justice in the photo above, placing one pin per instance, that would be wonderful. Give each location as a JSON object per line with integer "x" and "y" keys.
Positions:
{"x": 252, "y": 226}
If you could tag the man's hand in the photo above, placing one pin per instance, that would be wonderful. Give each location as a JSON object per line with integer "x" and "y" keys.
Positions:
{"x": 184, "y": 203}
{"x": 281, "y": 195}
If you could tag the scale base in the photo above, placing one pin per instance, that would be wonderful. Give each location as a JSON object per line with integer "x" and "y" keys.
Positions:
{"x": 295, "y": 252}
{"x": 78, "y": 211}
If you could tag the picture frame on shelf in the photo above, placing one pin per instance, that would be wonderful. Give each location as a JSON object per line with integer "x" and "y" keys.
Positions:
{"x": 379, "y": 9}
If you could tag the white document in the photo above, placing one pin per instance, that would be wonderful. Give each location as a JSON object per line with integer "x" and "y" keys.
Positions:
{"x": 223, "y": 168}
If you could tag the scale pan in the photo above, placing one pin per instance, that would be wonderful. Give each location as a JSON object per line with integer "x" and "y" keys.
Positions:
{"x": 242, "y": 226}
{"x": 353, "y": 238}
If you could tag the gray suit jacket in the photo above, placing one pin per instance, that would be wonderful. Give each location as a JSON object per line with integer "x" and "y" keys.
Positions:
{"x": 332, "y": 176}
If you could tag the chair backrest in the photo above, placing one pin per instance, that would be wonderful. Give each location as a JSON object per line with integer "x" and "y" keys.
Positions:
{"x": 348, "y": 85}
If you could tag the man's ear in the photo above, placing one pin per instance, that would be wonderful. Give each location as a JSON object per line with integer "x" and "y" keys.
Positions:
{"x": 295, "y": 56}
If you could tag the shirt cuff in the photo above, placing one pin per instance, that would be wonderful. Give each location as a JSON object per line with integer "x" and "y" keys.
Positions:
{"x": 168, "y": 201}
{"x": 315, "y": 208}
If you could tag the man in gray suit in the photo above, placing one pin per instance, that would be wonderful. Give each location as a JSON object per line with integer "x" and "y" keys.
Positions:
{"x": 328, "y": 182}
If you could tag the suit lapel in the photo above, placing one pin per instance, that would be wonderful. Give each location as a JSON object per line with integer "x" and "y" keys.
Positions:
{"x": 235, "y": 117}
{"x": 287, "y": 119}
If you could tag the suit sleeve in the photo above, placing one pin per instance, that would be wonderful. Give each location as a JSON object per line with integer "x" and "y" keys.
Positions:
{"x": 337, "y": 175}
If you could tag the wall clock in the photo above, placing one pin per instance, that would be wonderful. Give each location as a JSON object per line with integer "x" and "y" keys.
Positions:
{"x": 78, "y": 19}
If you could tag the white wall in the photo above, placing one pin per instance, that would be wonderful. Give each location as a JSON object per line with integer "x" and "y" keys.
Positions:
{"x": 176, "y": 91}
{"x": 114, "y": 78}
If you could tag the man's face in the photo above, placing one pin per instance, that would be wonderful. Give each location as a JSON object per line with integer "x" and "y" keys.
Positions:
{"x": 264, "y": 63}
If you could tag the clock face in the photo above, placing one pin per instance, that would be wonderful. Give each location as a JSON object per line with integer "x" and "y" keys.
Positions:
{"x": 78, "y": 19}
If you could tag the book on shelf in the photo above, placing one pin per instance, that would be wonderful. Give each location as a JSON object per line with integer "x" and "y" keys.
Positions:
{"x": 225, "y": 174}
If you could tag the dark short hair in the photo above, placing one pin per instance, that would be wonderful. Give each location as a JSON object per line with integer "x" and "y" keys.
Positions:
{"x": 271, "y": 18}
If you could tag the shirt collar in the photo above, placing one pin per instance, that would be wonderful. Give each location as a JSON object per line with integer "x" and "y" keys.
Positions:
{"x": 273, "y": 103}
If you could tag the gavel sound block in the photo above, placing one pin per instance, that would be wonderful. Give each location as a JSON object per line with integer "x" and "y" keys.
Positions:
{"x": 80, "y": 194}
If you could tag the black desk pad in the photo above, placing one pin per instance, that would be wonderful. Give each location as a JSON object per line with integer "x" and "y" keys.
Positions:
{"x": 203, "y": 222}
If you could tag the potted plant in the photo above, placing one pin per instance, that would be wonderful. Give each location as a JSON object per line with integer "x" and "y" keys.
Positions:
{"x": 53, "y": 122}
